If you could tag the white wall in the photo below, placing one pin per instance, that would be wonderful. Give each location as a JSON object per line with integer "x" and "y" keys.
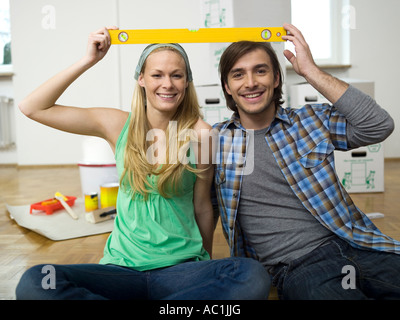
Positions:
{"x": 39, "y": 53}
{"x": 6, "y": 89}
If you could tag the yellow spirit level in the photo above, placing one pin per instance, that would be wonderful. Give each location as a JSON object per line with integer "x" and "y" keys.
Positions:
{"x": 202, "y": 35}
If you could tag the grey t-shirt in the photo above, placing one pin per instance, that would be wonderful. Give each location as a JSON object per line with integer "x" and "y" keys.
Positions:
{"x": 274, "y": 220}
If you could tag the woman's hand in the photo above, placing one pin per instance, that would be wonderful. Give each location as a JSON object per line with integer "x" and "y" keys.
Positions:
{"x": 41, "y": 105}
{"x": 98, "y": 44}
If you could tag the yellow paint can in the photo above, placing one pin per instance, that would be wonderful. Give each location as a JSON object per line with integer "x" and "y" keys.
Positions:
{"x": 108, "y": 195}
{"x": 91, "y": 201}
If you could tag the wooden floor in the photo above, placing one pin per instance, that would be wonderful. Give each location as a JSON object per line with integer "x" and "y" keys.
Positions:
{"x": 21, "y": 248}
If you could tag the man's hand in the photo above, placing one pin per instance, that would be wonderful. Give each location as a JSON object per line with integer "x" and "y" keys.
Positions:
{"x": 303, "y": 62}
{"x": 304, "y": 65}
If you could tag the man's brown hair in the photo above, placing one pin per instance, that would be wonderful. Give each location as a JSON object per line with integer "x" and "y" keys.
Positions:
{"x": 237, "y": 50}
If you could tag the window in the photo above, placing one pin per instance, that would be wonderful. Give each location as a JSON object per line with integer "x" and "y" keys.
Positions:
{"x": 5, "y": 37}
{"x": 325, "y": 27}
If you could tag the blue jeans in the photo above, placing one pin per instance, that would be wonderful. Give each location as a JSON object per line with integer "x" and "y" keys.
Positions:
{"x": 337, "y": 271}
{"x": 225, "y": 279}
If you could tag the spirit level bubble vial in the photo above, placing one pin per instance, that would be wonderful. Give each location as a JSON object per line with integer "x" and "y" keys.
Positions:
{"x": 202, "y": 35}
{"x": 123, "y": 36}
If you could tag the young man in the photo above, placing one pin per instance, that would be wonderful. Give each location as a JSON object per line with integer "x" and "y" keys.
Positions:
{"x": 280, "y": 199}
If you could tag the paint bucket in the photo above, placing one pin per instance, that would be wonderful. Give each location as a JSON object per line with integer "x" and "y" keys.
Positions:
{"x": 108, "y": 195}
{"x": 91, "y": 201}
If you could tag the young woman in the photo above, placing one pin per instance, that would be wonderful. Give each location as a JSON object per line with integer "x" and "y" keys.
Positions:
{"x": 161, "y": 244}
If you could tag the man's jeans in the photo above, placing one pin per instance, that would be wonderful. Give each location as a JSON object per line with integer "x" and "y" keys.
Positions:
{"x": 338, "y": 271}
{"x": 230, "y": 278}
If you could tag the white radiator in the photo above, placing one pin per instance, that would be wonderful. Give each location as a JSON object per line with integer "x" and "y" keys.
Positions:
{"x": 6, "y": 124}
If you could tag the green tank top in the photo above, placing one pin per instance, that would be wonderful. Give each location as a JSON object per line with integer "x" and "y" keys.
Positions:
{"x": 156, "y": 232}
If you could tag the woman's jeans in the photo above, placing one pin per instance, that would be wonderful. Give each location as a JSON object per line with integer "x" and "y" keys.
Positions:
{"x": 230, "y": 278}
{"x": 338, "y": 271}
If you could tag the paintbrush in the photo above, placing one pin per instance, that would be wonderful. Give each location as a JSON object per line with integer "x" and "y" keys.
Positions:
{"x": 61, "y": 198}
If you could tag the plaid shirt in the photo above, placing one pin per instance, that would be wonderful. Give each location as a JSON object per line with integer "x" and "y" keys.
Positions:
{"x": 302, "y": 142}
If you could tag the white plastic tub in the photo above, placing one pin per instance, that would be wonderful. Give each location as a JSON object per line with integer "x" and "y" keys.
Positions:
{"x": 97, "y": 166}
{"x": 94, "y": 175}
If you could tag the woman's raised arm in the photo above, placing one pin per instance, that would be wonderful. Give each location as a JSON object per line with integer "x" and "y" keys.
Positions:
{"x": 41, "y": 105}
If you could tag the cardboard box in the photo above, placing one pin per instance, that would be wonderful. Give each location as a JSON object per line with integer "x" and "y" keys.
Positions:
{"x": 213, "y": 105}
{"x": 361, "y": 170}
{"x": 303, "y": 93}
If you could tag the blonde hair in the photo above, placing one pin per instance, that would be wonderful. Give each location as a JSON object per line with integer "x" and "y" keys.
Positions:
{"x": 137, "y": 168}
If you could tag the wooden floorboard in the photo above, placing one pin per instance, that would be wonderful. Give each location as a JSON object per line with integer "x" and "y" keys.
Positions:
{"x": 21, "y": 248}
